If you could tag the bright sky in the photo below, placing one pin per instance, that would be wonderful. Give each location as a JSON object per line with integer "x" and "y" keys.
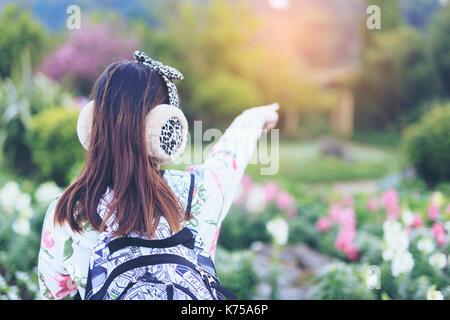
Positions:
{"x": 279, "y": 4}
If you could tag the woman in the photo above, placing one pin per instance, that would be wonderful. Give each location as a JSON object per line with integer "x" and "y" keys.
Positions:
{"x": 121, "y": 189}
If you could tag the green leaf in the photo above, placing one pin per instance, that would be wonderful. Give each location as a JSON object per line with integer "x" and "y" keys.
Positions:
{"x": 68, "y": 250}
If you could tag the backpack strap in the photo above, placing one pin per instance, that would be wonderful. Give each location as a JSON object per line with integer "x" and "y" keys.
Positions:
{"x": 184, "y": 237}
{"x": 189, "y": 201}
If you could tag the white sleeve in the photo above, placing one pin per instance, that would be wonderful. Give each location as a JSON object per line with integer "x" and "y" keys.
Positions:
{"x": 222, "y": 172}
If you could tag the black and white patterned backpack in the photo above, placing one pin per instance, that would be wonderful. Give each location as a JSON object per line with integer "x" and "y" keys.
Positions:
{"x": 167, "y": 267}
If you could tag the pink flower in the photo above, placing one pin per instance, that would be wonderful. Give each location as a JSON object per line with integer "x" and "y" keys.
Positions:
{"x": 417, "y": 222}
{"x": 347, "y": 201}
{"x": 270, "y": 191}
{"x": 393, "y": 212}
{"x": 47, "y": 240}
{"x": 351, "y": 252}
{"x": 347, "y": 218}
{"x": 246, "y": 181}
{"x": 390, "y": 198}
{"x": 284, "y": 200}
{"x": 390, "y": 203}
{"x": 447, "y": 209}
{"x": 334, "y": 212}
{"x": 66, "y": 284}
{"x": 345, "y": 239}
{"x": 438, "y": 232}
{"x": 372, "y": 205}
{"x": 433, "y": 212}
{"x": 323, "y": 224}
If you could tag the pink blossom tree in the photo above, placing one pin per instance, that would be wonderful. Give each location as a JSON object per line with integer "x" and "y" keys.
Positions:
{"x": 86, "y": 53}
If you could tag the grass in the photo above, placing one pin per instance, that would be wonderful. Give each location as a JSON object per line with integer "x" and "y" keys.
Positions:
{"x": 304, "y": 162}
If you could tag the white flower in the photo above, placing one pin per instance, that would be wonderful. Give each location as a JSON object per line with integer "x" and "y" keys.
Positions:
{"x": 46, "y": 193}
{"x": 402, "y": 262}
{"x": 388, "y": 253}
{"x": 391, "y": 227}
{"x": 8, "y": 196}
{"x": 407, "y": 217}
{"x": 394, "y": 235}
{"x": 255, "y": 200}
{"x": 2, "y": 282}
{"x": 22, "y": 201}
{"x": 438, "y": 260}
{"x": 425, "y": 245}
{"x": 13, "y": 293}
{"x": 395, "y": 239}
{"x": 26, "y": 213}
{"x": 279, "y": 230}
{"x": 23, "y": 205}
{"x": 257, "y": 246}
{"x": 433, "y": 294}
{"x": 22, "y": 276}
{"x": 21, "y": 226}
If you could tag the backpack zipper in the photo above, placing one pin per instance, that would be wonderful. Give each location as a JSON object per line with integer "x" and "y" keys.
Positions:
{"x": 208, "y": 279}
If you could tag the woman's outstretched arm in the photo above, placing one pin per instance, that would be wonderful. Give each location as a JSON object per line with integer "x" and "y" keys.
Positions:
{"x": 225, "y": 165}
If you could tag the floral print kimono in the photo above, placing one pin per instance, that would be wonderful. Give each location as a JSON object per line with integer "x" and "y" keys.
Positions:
{"x": 64, "y": 254}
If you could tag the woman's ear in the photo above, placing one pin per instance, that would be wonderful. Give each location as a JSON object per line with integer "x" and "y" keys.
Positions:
{"x": 84, "y": 124}
{"x": 166, "y": 133}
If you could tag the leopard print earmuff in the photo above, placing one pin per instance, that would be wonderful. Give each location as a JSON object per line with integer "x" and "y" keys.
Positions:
{"x": 165, "y": 125}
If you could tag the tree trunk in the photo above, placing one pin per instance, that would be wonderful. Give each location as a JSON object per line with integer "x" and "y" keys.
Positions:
{"x": 291, "y": 123}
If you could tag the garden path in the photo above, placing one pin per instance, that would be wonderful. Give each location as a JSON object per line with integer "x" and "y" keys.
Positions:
{"x": 298, "y": 264}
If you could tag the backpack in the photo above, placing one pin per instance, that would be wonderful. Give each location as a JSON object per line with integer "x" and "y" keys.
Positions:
{"x": 166, "y": 267}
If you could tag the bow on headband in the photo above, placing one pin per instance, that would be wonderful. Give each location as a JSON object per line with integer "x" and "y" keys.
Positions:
{"x": 168, "y": 73}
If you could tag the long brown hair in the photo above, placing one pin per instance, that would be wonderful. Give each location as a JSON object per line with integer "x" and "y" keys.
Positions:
{"x": 118, "y": 158}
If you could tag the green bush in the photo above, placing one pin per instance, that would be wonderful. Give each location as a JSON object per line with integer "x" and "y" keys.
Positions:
{"x": 236, "y": 272}
{"x": 249, "y": 230}
{"x": 427, "y": 145}
{"x": 342, "y": 282}
{"x": 22, "y": 97}
{"x": 54, "y": 143}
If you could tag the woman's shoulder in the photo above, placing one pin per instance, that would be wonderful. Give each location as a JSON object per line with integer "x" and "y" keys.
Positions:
{"x": 180, "y": 182}
{"x": 63, "y": 231}
{"x": 184, "y": 182}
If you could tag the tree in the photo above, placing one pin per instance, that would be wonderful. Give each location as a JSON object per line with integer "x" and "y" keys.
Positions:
{"x": 19, "y": 32}
{"x": 209, "y": 45}
{"x": 396, "y": 73}
{"x": 419, "y": 13}
{"x": 86, "y": 53}
{"x": 226, "y": 68}
{"x": 439, "y": 46}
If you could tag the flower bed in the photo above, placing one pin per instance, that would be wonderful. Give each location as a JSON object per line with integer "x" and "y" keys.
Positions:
{"x": 400, "y": 236}
{"x": 391, "y": 245}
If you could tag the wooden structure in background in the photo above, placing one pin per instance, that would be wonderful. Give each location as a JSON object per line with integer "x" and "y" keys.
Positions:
{"x": 342, "y": 113}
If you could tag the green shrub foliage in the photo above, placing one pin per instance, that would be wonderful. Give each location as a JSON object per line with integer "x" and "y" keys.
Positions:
{"x": 427, "y": 145}
{"x": 55, "y": 145}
